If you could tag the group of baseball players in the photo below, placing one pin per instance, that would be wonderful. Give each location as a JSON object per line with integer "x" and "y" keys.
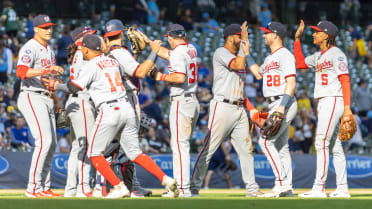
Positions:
{"x": 103, "y": 105}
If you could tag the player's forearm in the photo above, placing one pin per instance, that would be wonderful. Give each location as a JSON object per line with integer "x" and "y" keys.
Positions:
{"x": 255, "y": 71}
{"x": 299, "y": 56}
{"x": 144, "y": 68}
{"x": 290, "y": 86}
{"x": 345, "y": 85}
{"x": 238, "y": 63}
{"x": 163, "y": 53}
{"x": 173, "y": 78}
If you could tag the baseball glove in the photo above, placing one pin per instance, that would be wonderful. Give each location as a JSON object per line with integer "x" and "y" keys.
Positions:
{"x": 138, "y": 44}
{"x": 348, "y": 127}
{"x": 50, "y": 80}
{"x": 258, "y": 119}
{"x": 271, "y": 126}
{"x": 152, "y": 73}
{"x": 62, "y": 120}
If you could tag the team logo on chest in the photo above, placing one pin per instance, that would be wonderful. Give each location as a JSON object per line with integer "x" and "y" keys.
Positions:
{"x": 324, "y": 65}
{"x": 272, "y": 66}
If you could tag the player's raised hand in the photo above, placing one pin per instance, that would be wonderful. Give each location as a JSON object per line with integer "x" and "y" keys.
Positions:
{"x": 245, "y": 46}
{"x": 244, "y": 32}
{"x": 155, "y": 45}
{"x": 300, "y": 30}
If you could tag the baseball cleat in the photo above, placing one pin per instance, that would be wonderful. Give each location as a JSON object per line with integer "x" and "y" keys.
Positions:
{"x": 134, "y": 194}
{"x": 97, "y": 192}
{"x": 340, "y": 193}
{"x": 122, "y": 191}
{"x": 144, "y": 192}
{"x": 87, "y": 194}
{"x": 171, "y": 185}
{"x": 186, "y": 194}
{"x": 169, "y": 194}
{"x": 257, "y": 193}
{"x": 49, "y": 193}
{"x": 33, "y": 195}
{"x": 313, "y": 193}
{"x": 69, "y": 194}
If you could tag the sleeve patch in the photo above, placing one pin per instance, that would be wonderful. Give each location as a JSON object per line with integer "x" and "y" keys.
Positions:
{"x": 26, "y": 59}
{"x": 340, "y": 59}
{"x": 342, "y": 66}
{"x": 28, "y": 51}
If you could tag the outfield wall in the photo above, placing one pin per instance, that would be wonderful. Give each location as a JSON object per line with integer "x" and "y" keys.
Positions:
{"x": 14, "y": 168}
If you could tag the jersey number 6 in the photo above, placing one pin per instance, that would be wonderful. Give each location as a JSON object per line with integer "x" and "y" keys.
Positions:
{"x": 118, "y": 81}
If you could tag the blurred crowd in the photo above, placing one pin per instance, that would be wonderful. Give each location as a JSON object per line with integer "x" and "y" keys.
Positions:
{"x": 154, "y": 96}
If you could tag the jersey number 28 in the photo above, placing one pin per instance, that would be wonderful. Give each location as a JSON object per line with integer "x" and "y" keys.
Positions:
{"x": 273, "y": 80}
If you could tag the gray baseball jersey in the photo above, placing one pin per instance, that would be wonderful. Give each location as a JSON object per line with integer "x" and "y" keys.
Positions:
{"x": 278, "y": 66}
{"x": 35, "y": 55}
{"x": 183, "y": 59}
{"x": 329, "y": 65}
{"x": 38, "y": 110}
{"x": 227, "y": 83}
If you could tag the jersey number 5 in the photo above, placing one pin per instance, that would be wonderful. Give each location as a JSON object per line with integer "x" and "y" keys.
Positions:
{"x": 194, "y": 73}
{"x": 324, "y": 79}
{"x": 118, "y": 81}
{"x": 273, "y": 80}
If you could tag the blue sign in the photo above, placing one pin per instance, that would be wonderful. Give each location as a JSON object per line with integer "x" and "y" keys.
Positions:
{"x": 165, "y": 162}
{"x": 356, "y": 166}
{"x": 4, "y": 165}
{"x": 262, "y": 168}
{"x": 59, "y": 164}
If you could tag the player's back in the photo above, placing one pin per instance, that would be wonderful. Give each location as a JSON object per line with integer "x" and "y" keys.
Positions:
{"x": 183, "y": 59}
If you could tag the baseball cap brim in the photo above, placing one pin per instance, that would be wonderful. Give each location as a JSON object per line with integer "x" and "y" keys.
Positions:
{"x": 265, "y": 30}
{"x": 316, "y": 28}
{"x": 113, "y": 33}
{"x": 45, "y": 25}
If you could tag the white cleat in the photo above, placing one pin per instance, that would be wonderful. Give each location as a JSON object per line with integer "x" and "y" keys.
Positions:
{"x": 119, "y": 193}
{"x": 69, "y": 194}
{"x": 185, "y": 195}
{"x": 340, "y": 194}
{"x": 171, "y": 185}
{"x": 134, "y": 194}
{"x": 97, "y": 192}
{"x": 257, "y": 193}
{"x": 313, "y": 194}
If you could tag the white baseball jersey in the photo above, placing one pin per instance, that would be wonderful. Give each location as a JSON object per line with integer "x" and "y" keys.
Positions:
{"x": 102, "y": 79}
{"x": 328, "y": 66}
{"x": 77, "y": 63}
{"x": 35, "y": 55}
{"x": 183, "y": 59}
{"x": 128, "y": 64}
{"x": 278, "y": 66}
{"x": 227, "y": 83}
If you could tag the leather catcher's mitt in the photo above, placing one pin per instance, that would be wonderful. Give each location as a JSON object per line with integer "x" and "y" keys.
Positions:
{"x": 152, "y": 73}
{"x": 271, "y": 126}
{"x": 62, "y": 120}
{"x": 258, "y": 119}
{"x": 50, "y": 80}
{"x": 348, "y": 127}
{"x": 138, "y": 44}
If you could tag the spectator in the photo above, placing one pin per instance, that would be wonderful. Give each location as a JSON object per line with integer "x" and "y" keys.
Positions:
{"x": 9, "y": 97}
{"x": 20, "y": 136}
{"x": 265, "y": 15}
{"x": 200, "y": 135}
{"x": 369, "y": 40}
{"x": 204, "y": 75}
{"x": 64, "y": 142}
{"x": 153, "y": 110}
{"x": 153, "y": 13}
{"x": 62, "y": 45}
{"x": 308, "y": 127}
{"x": 30, "y": 26}
{"x": 140, "y": 11}
{"x": 206, "y": 5}
{"x": 143, "y": 100}
{"x": 186, "y": 19}
{"x": 209, "y": 25}
{"x": 2, "y": 136}
{"x": 4, "y": 63}
{"x": 156, "y": 146}
{"x": 362, "y": 98}
{"x": 358, "y": 50}
{"x": 10, "y": 20}
{"x": 303, "y": 100}
{"x": 11, "y": 120}
{"x": 250, "y": 87}
{"x": 296, "y": 138}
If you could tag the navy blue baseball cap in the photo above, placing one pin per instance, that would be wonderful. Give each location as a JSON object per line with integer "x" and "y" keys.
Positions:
{"x": 113, "y": 28}
{"x": 326, "y": 27}
{"x": 92, "y": 42}
{"x": 80, "y": 32}
{"x": 275, "y": 27}
{"x": 42, "y": 21}
{"x": 175, "y": 30}
{"x": 233, "y": 29}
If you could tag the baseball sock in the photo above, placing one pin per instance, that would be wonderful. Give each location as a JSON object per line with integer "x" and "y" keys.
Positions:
{"x": 149, "y": 165}
{"x": 100, "y": 163}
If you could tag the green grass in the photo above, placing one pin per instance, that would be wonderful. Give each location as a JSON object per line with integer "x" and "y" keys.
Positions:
{"x": 206, "y": 201}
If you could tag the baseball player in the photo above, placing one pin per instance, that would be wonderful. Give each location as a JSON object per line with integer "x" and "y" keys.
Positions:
{"x": 332, "y": 89}
{"x": 184, "y": 110}
{"x": 279, "y": 81}
{"x": 81, "y": 111}
{"x": 114, "y": 34}
{"x": 227, "y": 116}
{"x": 37, "y": 104}
{"x": 102, "y": 78}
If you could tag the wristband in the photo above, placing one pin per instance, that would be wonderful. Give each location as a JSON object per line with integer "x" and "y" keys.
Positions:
{"x": 163, "y": 76}
{"x": 241, "y": 52}
{"x": 250, "y": 61}
{"x": 285, "y": 100}
{"x": 152, "y": 56}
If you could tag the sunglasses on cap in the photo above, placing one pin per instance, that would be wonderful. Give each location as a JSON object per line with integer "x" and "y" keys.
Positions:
{"x": 177, "y": 33}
